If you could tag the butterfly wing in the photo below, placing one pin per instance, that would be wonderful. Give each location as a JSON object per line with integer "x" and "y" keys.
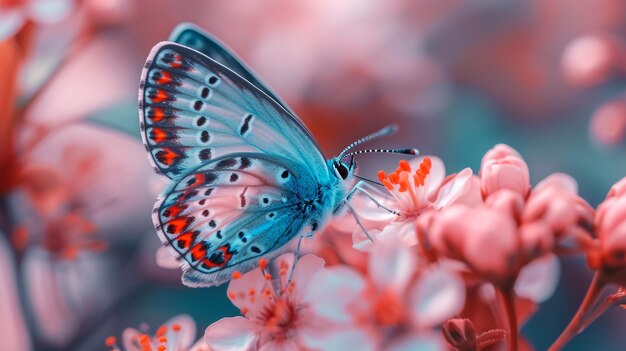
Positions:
{"x": 193, "y": 109}
{"x": 230, "y": 212}
{"x": 194, "y": 37}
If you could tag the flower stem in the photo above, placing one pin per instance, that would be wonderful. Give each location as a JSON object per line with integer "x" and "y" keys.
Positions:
{"x": 507, "y": 295}
{"x": 577, "y": 324}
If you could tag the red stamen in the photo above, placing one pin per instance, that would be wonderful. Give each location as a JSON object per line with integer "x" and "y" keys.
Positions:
{"x": 405, "y": 165}
{"x": 263, "y": 263}
{"x": 110, "y": 341}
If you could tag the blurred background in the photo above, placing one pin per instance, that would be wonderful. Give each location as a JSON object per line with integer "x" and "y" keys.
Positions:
{"x": 77, "y": 258}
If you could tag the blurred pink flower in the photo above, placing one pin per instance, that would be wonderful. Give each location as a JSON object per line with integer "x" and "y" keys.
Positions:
{"x": 592, "y": 59}
{"x": 15, "y": 13}
{"x": 276, "y": 316}
{"x": 608, "y": 254}
{"x": 64, "y": 294}
{"x": 411, "y": 194}
{"x": 608, "y": 123}
{"x": 14, "y": 334}
{"x": 503, "y": 168}
{"x": 395, "y": 300}
{"x": 177, "y": 334}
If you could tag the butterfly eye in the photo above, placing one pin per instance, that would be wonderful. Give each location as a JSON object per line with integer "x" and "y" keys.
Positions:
{"x": 341, "y": 170}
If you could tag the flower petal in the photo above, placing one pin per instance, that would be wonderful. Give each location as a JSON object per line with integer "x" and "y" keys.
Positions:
{"x": 13, "y": 334}
{"x": 183, "y": 338}
{"x": 165, "y": 258}
{"x": 285, "y": 345}
{"x": 342, "y": 339}
{"x": 457, "y": 186}
{"x": 437, "y": 295}
{"x": 538, "y": 279}
{"x": 337, "y": 289}
{"x": 561, "y": 181}
{"x": 391, "y": 265}
{"x": 50, "y": 11}
{"x": 10, "y": 22}
{"x": 231, "y": 334}
{"x": 307, "y": 267}
{"x": 419, "y": 342}
{"x": 239, "y": 289}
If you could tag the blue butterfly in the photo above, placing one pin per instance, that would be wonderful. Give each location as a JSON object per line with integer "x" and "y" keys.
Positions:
{"x": 247, "y": 177}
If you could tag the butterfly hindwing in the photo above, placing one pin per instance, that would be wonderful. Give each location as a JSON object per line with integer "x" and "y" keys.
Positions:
{"x": 194, "y": 110}
{"x": 196, "y": 38}
{"x": 228, "y": 213}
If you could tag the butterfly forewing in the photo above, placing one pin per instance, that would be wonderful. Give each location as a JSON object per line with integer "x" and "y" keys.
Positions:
{"x": 194, "y": 110}
{"x": 228, "y": 213}
{"x": 191, "y": 36}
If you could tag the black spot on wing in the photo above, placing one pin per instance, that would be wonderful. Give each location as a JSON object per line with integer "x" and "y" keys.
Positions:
{"x": 226, "y": 163}
{"x": 245, "y": 127}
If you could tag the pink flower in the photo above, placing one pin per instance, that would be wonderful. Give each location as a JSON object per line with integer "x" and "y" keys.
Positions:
{"x": 276, "y": 316}
{"x": 177, "y": 334}
{"x": 608, "y": 123}
{"x": 14, "y": 333}
{"x": 394, "y": 306}
{"x": 503, "y": 168}
{"x": 15, "y": 13}
{"x": 591, "y": 59}
{"x": 608, "y": 253}
{"x": 515, "y": 230}
{"x": 411, "y": 193}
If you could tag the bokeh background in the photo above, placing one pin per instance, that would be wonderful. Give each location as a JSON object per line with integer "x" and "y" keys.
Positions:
{"x": 78, "y": 247}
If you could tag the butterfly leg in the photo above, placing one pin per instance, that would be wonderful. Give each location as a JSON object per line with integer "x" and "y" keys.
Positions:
{"x": 358, "y": 221}
{"x": 297, "y": 256}
{"x": 371, "y": 197}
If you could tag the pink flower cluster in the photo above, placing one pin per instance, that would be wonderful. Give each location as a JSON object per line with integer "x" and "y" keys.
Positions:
{"x": 431, "y": 276}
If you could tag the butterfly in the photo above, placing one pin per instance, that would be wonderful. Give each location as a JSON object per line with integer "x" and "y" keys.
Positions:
{"x": 247, "y": 177}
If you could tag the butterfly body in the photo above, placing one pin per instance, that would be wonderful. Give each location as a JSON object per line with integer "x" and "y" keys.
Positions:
{"x": 246, "y": 176}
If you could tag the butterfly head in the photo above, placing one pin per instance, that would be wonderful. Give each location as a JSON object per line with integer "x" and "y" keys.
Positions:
{"x": 341, "y": 169}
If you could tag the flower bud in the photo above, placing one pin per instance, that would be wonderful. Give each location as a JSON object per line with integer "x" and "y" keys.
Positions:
{"x": 503, "y": 168}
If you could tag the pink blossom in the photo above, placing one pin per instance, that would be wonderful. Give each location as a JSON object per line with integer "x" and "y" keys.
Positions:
{"x": 608, "y": 123}
{"x": 14, "y": 13}
{"x": 609, "y": 250}
{"x": 591, "y": 59}
{"x": 395, "y": 305}
{"x": 63, "y": 294}
{"x": 410, "y": 193}
{"x": 503, "y": 168}
{"x": 276, "y": 316}
{"x": 177, "y": 334}
{"x": 516, "y": 224}
{"x": 13, "y": 333}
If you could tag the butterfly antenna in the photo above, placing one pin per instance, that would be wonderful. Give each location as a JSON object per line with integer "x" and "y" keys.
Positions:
{"x": 389, "y": 151}
{"x": 388, "y": 130}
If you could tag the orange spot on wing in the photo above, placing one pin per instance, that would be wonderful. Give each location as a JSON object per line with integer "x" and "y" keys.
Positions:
{"x": 160, "y": 96}
{"x": 185, "y": 240}
{"x": 157, "y": 115}
{"x": 158, "y": 135}
{"x": 198, "y": 251}
{"x": 177, "y": 225}
{"x": 165, "y": 78}
{"x": 168, "y": 156}
{"x": 178, "y": 61}
{"x": 199, "y": 178}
